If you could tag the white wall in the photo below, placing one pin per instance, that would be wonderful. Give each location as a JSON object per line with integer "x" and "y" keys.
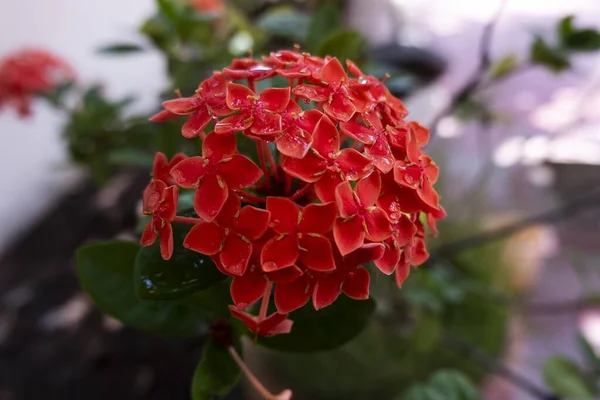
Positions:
{"x": 32, "y": 156}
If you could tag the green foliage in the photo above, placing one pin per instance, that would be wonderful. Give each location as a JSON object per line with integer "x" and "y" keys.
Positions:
{"x": 325, "y": 329}
{"x": 325, "y": 21}
{"x": 575, "y": 39}
{"x": 285, "y": 22}
{"x": 343, "y": 44}
{"x": 589, "y": 355}
{"x": 504, "y": 66}
{"x": 566, "y": 379}
{"x": 553, "y": 58}
{"x": 186, "y": 272}
{"x": 445, "y": 384}
{"x": 121, "y": 48}
{"x": 105, "y": 272}
{"x": 216, "y": 373}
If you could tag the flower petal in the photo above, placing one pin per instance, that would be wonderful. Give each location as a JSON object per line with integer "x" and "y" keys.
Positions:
{"x": 420, "y": 254}
{"x": 405, "y": 230}
{"x": 349, "y": 235}
{"x": 353, "y": 164}
{"x": 210, "y": 197}
{"x": 182, "y": 105}
{"x": 188, "y": 173}
{"x": 390, "y": 259}
{"x": 235, "y": 255}
{"x": 378, "y": 225}
{"x": 358, "y": 132}
{"x": 364, "y": 254}
{"x": 344, "y": 198}
{"x": 275, "y": 324}
{"x": 292, "y": 296}
{"x": 275, "y": 99}
{"x": 160, "y": 166}
{"x": 316, "y": 253}
{"x": 281, "y": 328}
{"x": 216, "y": 147}
{"x": 168, "y": 203}
{"x": 229, "y": 211}
{"x": 162, "y": 116}
{"x": 402, "y": 273}
{"x": 234, "y": 123}
{"x": 308, "y": 169}
{"x": 205, "y": 237}
{"x": 421, "y": 133}
{"x": 327, "y": 290}
{"x": 326, "y": 138}
{"x": 280, "y": 252}
{"x": 153, "y": 195}
{"x": 294, "y": 142}
{"x": 318, "y": 218}
{"x": 252, "y": 222}
{"x": 312, "y": 92}
{"x": 285, "y": 275}
{"x": 166, "y": 241}
{"x": 247, "y": 319}
{"x": 239, "y": 96}
{"x": 284, "y": 214}
{"x": 248, "y": 288}
{"x": 356, "y": 284}
{"x": 381, "y": 155}
{"x": 340, "y": 107}
{"x": 266, "y": 124}
{"x": 333, "y": 72}
{"x": 325, "y": 187}
{"x": 149, "y": 235}
{"x": 196, "y": 123}
{"x": 239, "y": 172}
{"x": 368, "y": 189}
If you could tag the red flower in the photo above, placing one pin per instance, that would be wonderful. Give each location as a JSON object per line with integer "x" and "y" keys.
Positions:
{"x": 260, "y": 114}
{"x": 296, "y": 138}
{"x": 160, "y": 202}
{"x": 248, "y": 68}
{"x": 403, "y": 233}
{"x": 419, "y": 174}
{"x": 230, "y": 236}
{"x": 208, "y": 102}
{"x": 161, "y": 171}
{"x": 274, "y": 324}
{"x": 375, "y": 137}
{"x": 326, "y": 166}
{"x": 360, "y": 218}
{"x": 350, "y": 276}
{"x": 27, "y": 73}
{"x": 209, "y": 6}
{"x": 215, "y": 173}
{"x": 300, "y": 236}
{"x": 334, "y": 94}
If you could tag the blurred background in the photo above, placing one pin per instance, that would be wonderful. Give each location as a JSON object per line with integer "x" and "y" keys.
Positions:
{"x": 513, "y": 103}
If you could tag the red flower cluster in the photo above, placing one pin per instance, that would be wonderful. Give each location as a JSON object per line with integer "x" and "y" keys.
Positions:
{"x": 339, "y": 180}
{"x": 27, "y": 73}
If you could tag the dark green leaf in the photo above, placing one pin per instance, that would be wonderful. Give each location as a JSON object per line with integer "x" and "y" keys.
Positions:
{"x": 105, "y": 271}
{"x": 326, "y": 329}
{"x": 56, "y": 96}
{"x": 186, "y": 272}
{"x": 325, "y": 20}
{"x": 285, "y": 22}
{"x": 565, "y": 27}
{"x": 583, "y": 40}
{"x": 565, "y": 378}
{"x": 589, "y": 355}
{"x": 121, "y": 48}
{"x": 344, "y": 44}
{"x": 132, "y": 157}
{"x": 216, "y": 373}
{"x": 169, "y": 9}
{"x": 549, "y": 57}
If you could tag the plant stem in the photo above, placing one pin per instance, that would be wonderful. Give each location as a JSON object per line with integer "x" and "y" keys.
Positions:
{"x": 264, "y": 305}
{"x": 301, "y": 192}
{"x": 286, "y": 394}
{"x": 187, "y": 220}
{"x": 270, "y": 160}
{"x": 251, "y": 198}
{"x": 263, "y": 164}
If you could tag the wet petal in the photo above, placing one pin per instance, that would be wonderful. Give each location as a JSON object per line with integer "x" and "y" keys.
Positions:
{"x": 166, "y": 241}
{"x": 235, "y": 123}
{"x": 344, "y": 197}
{"x": 358, "y": 132}
{"x": 235, "y": 255}
{"x": 318, "y": 218}
{"x": 284, "y": 214}
{"x": 247, "y": 319}
{"x": 292, "y": 296}
{"x": 353, "y": 164}
{"x": 312, "y": 92}
{"x": 217, "y": 147}
{"x": 280, "y": 252}
{"x": 189, "y": 172}
{"x": 333, "y": 72}
{"x": 182, "y": 105}
{"x": 390, "y": 259}
{"x": 239, "y": 96}
{"x": 248, "y": 288}
{"x": 252, "y": 222}
{"x": 327, "y": 290}
{"x": 210, "y": 197}
{"x": 364, "y": 254}
{"x": 286, "y": 275}
{"x": 308, "y": 169}
{"x": 368, "y": 189}
{"x": 326, "y": 138}
{"x": 239, "y": 172}
{"x": 378, "y": 225}
{"x": 275, "y": 99}
{"x": 205, "y": 237}
{"x": 356, "y": 284}
{"x": 325, "y": 187}
{"x": 196, "y": 123}
{"x": 149, "y": 235}
{"x": 402, "y": 273}
{"x": 294, "y": 142}
{"x": 316, "y": 253}
{"x": 349, "y": 235}
{"x": 340, "y": 107}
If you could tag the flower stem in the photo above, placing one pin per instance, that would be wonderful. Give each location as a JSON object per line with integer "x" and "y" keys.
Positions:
{"x": 264, "y": 305}
{"x": 288, "y": 184}
{"x": 251, "y": 198}
{"x": 301, "y": 192}
{"x": 285, "y": 395}
{"x": 270, "y": 160}
{"x": 187, "y": 220}
{"x": 263, "y": 164}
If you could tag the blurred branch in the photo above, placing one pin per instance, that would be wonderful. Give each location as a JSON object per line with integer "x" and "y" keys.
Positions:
{"x": 472, "y": 84}
{"x": 566, "y": 210}
{"x": 495, "y": 366}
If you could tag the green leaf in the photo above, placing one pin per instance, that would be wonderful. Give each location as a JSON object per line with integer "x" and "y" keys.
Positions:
{"x": 186, "y": 272}
{"x": 589, "y": 354}
{"x": 121, "y": 48}
{"x": 326, "y": 329}
{"x": 169, "y": 9}
{"x": 583, "y": 40}
{"x": 565, "y": 378}
{"x": 554, "y": 59}
{"x": 105, "y": 271}
{"x": 285, "y": 22}
{"x": 325, "y": 20}
{"x": 344, "y": 44}
{"x": 504, "y": 66}
{"x": 444, "y": 385}
{"x": 216, "y": 374}
{"x": 132, "y": 157}
{"x": 565, "y": 27}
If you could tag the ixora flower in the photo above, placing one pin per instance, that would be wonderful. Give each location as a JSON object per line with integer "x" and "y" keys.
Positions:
{"x": 293, "y": 201}
{"x": 27, "y": 73}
